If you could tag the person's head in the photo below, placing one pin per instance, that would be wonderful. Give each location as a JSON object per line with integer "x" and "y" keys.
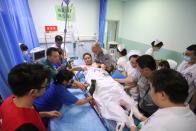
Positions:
{"x": 146, "y": 65}
{"x": 132, "y": 60}
{"x": 168, "y": 87}
{"x": 28, "y": 79}
{"x": 63, "y": 77}
{"x": 87, "y": 58}
{"x": 96, "y": 49}
{"x": 163, "y": 65}
{"x": 121, "y": 50}
{"x": 53, "y": 55}
{"x": 133, "y": 55}
{"x": 156, "y": 45}
{"x": 190, "y": 54}
{"x": 23, "y": 48}
{"x": 58, "y": 41}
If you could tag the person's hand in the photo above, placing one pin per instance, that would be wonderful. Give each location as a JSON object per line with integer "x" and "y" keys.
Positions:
{"x": 143, "y": 118}
{"x": 133, "y": 128}
{"x": 93, "y": 102}
{"x": 126, "y": 88}
{"x": 103, "y": 66}
{"x": 80, "y": 85}
{"x": 84, "y": 68}
{"x": 89, "y": 98}
{"x": 61, "y": 67}
{"x": 131, "y": 84}
{"x": 54, "y": 114}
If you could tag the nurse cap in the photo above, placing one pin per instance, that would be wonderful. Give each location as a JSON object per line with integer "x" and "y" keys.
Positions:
{"x": 134, "y": 52}
{"x": 120, "y": 47}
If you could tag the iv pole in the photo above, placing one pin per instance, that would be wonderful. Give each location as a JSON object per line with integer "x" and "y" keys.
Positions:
{"x": 66, "y": 21}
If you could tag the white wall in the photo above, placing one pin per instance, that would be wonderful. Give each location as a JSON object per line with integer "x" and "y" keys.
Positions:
{"x": 172, "y": 21}
{"x": 86, "y": 20}
{"x": 114, "y": 12}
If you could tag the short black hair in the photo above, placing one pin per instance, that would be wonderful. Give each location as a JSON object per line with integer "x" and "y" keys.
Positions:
{"x": 146, "y": 61}
{"x": 24, "y": 77}
{"x": 123, "y": 52}
{"x": 172, "y": 83}
{"x": 86, "y": 54}
{"x": 50, "y": 50}
{"x": 58, "y": 38}
{"x": 23, "y": 47}
{"x": 192, "y": 48}
{"x": 160, "y": 44}
{"x": 62, "y": 75}
{"x": 164, "y": 64}
{"x": 134, "y": 56}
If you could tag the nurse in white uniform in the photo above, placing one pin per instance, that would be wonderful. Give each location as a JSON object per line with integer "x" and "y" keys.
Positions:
{"x": 132, "y": 74}
{"x": 156, "y": 46}
{"x": 122, "y": 61}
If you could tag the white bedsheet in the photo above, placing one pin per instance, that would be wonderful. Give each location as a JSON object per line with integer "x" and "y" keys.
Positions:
{"x": 109, "y": 94}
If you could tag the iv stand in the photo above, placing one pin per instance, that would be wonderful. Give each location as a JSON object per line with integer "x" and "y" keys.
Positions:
{"x": 66, "y": 21}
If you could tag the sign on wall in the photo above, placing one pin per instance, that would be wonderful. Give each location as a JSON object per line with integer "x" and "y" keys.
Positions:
{"x": 61, "y": 12}
{"x": 50, "y": 28}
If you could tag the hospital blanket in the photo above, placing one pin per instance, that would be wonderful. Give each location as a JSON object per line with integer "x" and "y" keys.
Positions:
{"x": 108, "y": 95}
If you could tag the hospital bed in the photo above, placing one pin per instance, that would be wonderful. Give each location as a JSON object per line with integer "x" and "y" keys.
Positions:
{"x": 81, "y": 118}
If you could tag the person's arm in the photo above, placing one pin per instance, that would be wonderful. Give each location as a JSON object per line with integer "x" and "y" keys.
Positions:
{"x": 50, "y": 114}
{"x": 133, "y": 128}
{"x": 80, "y": 85}
{"x": 27, "y": 127}
{"x": 84, "y": 100}
{"x": 60, "y": 67}
{"x": 76, "y": 68}
{"x": 125, "y": 80}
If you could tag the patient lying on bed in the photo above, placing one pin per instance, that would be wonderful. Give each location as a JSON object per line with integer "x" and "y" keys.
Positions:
{"x": 112, "y": 100}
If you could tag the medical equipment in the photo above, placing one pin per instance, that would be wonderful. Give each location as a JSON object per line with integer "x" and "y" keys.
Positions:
{"x": 112, "y": 47}
{"x": 37, "y": 53}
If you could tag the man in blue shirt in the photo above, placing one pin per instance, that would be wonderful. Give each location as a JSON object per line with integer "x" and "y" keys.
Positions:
{"x": 57, "y": 93}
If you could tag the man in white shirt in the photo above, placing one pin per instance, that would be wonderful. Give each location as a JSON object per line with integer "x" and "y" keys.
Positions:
{"x": 169, "y": 90}
{"x": 58, "y": 44}
{"x": 188, "y": 69}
